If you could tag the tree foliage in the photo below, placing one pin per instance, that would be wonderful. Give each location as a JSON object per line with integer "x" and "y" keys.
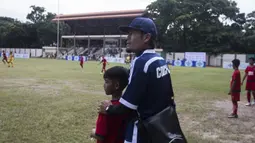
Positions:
{"x": 213, "y": 26}
{"x": 38, "y": 32}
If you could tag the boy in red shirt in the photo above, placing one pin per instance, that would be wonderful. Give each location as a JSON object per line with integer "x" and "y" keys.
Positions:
{"x": 235, "y": 88}
{"x": 111, "y": 129}
{"x": 4, "y": 60}
{"x": 104, "y": 61}
{"x": 81, "y": 61}
{"x": 250, "y": 83}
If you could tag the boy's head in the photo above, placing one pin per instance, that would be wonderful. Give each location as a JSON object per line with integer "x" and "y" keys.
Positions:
{"x": 116, "y": 79}
{"x": 235, "y": 63}
{"x": 251, "y": 61}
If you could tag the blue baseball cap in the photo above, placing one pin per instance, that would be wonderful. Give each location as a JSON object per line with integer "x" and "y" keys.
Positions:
{"x": 143, "y": 24}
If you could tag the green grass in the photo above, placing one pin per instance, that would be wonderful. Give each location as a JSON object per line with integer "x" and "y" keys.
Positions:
{"x": 46, "y": 101}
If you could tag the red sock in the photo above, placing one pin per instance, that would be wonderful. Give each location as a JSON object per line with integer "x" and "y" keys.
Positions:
{"x": 249, "y": 96}
{"x": 235, "y": 106}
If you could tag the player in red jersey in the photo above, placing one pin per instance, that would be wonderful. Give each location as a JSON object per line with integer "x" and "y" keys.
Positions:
{"x": 109, "y": 128}
{"x": 81, "y": 61}
{"x": 250, "y": 82}
{"x": 104, "y": 61}
{"x": 4, "y": 60}
{"x": 235, "y": 88}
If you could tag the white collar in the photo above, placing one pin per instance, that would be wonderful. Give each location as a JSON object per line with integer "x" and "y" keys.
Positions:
{"x": 149, "y": 51}
{"x": 145, "y": 52}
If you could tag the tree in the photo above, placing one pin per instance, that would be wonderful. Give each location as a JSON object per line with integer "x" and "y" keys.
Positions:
{"x": 196, "y": 25}
{"x": 37, "y": 14}
{"x": 46, "y": 29}
{"x": 38, "y": 32}
{"x": 12, "y": 33}
{"x": 249, "y": 36}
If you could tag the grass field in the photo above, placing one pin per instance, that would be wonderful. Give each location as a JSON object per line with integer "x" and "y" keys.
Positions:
{"x": 49, "y": 101}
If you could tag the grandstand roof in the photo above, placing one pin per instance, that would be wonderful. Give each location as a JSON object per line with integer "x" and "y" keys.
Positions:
{"x": 100, "y": 15}
{"x": 99, "y": 23}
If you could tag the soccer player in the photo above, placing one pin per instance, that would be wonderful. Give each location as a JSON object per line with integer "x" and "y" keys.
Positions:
{"x": 11, "y": 59}
{"x": 81, "y": 61}
{"x": 250, "y": 82}
{"x": 149, "y": 91}
{"x": 235, "y": 88}
{"x": 4, "y": 60}
{"x": 111, "y": 129}
{"x": 128, "y": 59}
{"x": 104, "y": 61}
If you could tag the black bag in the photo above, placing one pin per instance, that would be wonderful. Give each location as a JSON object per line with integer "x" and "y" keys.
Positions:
{"x": 163, "y": 127}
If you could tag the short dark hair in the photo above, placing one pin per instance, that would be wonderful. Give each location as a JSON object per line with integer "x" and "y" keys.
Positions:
{"x": 236, "y": 62}
{"x": 251, "y": 58}
{"x": 118, "y": 73}
{"x": 152, "y": 41}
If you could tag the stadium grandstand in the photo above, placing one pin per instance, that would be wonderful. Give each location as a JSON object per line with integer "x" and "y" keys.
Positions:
{"x": 96, "y": 34}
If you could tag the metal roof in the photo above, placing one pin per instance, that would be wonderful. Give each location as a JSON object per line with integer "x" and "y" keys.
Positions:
{"x": 100, "y": 15}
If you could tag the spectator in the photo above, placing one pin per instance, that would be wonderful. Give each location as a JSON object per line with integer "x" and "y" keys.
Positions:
{"x": 149, "y": 81}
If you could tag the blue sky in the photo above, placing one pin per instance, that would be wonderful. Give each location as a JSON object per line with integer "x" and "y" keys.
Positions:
{"x": 19, "y": 8}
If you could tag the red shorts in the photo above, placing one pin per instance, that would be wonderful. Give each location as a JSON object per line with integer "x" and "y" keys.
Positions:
{"x": 81, "y": 63}
{"x": 250, "y": 86}
{"x": 104, "y": 65}
{"x": 5, "y": 58}
{"x": 235, "y": 96}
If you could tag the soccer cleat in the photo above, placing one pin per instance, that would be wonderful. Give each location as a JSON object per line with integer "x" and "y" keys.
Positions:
{"x": 233, "y": 116}
{"x": 248, "y": 104}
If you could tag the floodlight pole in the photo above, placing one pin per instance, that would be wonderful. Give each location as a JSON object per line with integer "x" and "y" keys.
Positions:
{"x": 58, "y": 32}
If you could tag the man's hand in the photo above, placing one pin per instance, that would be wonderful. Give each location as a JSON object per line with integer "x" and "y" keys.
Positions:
{"x": 103, "y": 106}
{"x": 229, "y": 93}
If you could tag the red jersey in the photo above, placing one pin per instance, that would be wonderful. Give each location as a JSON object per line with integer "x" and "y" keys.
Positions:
{"x": 104, "y": 61}
{"x": 250, "y": 71}
{"x": 81, "y": 59}
{"x": 236, "y": 76}
{"x": 250, "y": 82}
{"x": 4, "y": 56}
{"x": 111, "y": 127}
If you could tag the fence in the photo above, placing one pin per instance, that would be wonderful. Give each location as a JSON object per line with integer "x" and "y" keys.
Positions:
{"x": 31, "y": 52}
{"x": 211, "y": 60}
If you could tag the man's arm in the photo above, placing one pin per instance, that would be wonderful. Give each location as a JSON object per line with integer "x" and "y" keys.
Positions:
{"x": 118, "y": 109}
{"x": 245, "y": 75}
{"x": 106, "y": 107}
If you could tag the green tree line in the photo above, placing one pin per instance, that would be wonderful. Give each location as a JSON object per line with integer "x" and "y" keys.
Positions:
{"x": 212, "y": 26}
{"x": 37, "y": 32}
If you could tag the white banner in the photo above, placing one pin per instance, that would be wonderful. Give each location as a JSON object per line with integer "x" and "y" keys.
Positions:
{"x": 228, "y": 65}
{"x": 195, "y": 56}
{"x": 115, "y": 60}
{"x": 22, "y": 56}
{"x": 76, "y": 58}
{"x": 69, "y": 58}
